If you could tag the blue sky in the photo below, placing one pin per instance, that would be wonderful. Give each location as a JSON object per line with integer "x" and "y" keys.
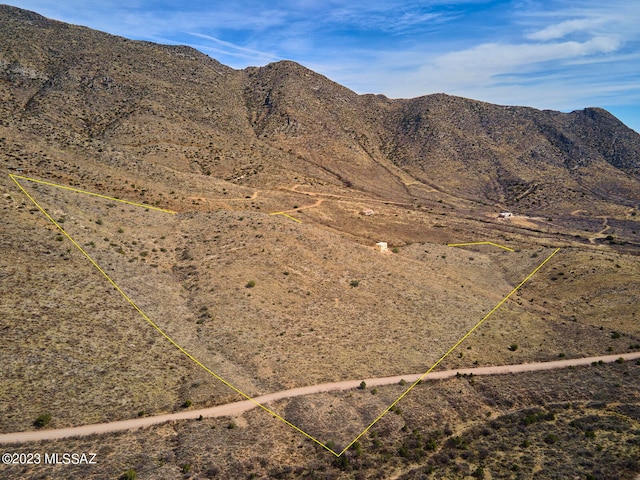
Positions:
{"x": 549, "y": 54}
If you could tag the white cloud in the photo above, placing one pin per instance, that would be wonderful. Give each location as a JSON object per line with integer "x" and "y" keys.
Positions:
{"x": 486, "y": 65}
{"x": 229, "y": 48}
{"x": 564, "y": 28}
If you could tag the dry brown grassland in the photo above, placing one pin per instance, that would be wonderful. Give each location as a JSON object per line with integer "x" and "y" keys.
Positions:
{"x": 323, "y": 306}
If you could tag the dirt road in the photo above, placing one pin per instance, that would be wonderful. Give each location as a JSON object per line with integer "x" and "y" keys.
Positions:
{"x": 237, "y": 408}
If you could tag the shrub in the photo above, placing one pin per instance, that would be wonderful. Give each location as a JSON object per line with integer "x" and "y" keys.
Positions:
{"x": 457, "y": 443}
{"x": 535, "y": 417}
{"x": 130, "y": 474}
{"x": 403, "y": 451}
{"x": 513, "y": 347}
{"x": 187, "y": 404}
{"x": 478, "y": 473}
{"x": 551, "y": 438}
{"x": 43, "y": 420}
{"x": 250, "y": 284}
{"x": 363, "y": 385}
{"x": 354, "y": 283}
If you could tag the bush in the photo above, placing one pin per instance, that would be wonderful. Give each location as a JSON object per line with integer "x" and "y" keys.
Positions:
{"x": 363, "y": 385}
{"x": 43, "y": 420}
{"x": 551, "y": 438}
{"x": 354, "y": 283}
{"x": 130, "y": 474}
{"x": 457, "y": 443}
{"x": 513, "y": 347}
{"x": 250, "y": 284}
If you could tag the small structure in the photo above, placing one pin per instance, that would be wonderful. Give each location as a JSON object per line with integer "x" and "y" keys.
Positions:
{"x": 383, "y": 246}
{"x": 505, "y": 215}
{"x": 367, "y": 212}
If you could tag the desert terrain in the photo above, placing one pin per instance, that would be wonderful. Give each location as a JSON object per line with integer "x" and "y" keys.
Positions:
{"x": 236, "y": 220}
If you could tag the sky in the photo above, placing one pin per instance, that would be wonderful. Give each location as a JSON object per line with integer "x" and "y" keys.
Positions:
{"x": 549, "y": 54}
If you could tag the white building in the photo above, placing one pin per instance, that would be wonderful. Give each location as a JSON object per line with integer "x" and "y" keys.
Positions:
{"x": 383, "y": 246}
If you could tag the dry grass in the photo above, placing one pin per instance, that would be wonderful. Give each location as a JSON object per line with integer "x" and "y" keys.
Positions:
{"x": 323, "y": 306}
{"x": 534, "y": 421}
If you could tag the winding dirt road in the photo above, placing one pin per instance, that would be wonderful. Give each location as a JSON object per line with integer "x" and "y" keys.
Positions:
{"x": 237, "y": 408}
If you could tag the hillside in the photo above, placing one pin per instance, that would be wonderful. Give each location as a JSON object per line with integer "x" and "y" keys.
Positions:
{"x": 262, "y": 265}
{"x": 121, "y": 102}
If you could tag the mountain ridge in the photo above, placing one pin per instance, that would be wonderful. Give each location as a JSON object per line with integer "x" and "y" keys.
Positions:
{"x": 174, "y": 106}
{"x": 368, "y": 141}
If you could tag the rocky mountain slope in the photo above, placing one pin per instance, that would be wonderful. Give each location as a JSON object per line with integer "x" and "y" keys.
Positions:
{"x": 122, "y": 102}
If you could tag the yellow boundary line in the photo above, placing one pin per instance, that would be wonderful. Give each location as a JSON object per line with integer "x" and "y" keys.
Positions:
{"x": 479, "y": 243}
{"x": 64, "y": 187}
{"x": 154, "y": 325}
{"x": 457, "y": 344}
{"x": 286, "y": 215}
{"x": 218, "y": 377}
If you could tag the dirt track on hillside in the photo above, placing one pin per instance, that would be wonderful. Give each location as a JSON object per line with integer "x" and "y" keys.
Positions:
{"x": 237, "y": 408}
